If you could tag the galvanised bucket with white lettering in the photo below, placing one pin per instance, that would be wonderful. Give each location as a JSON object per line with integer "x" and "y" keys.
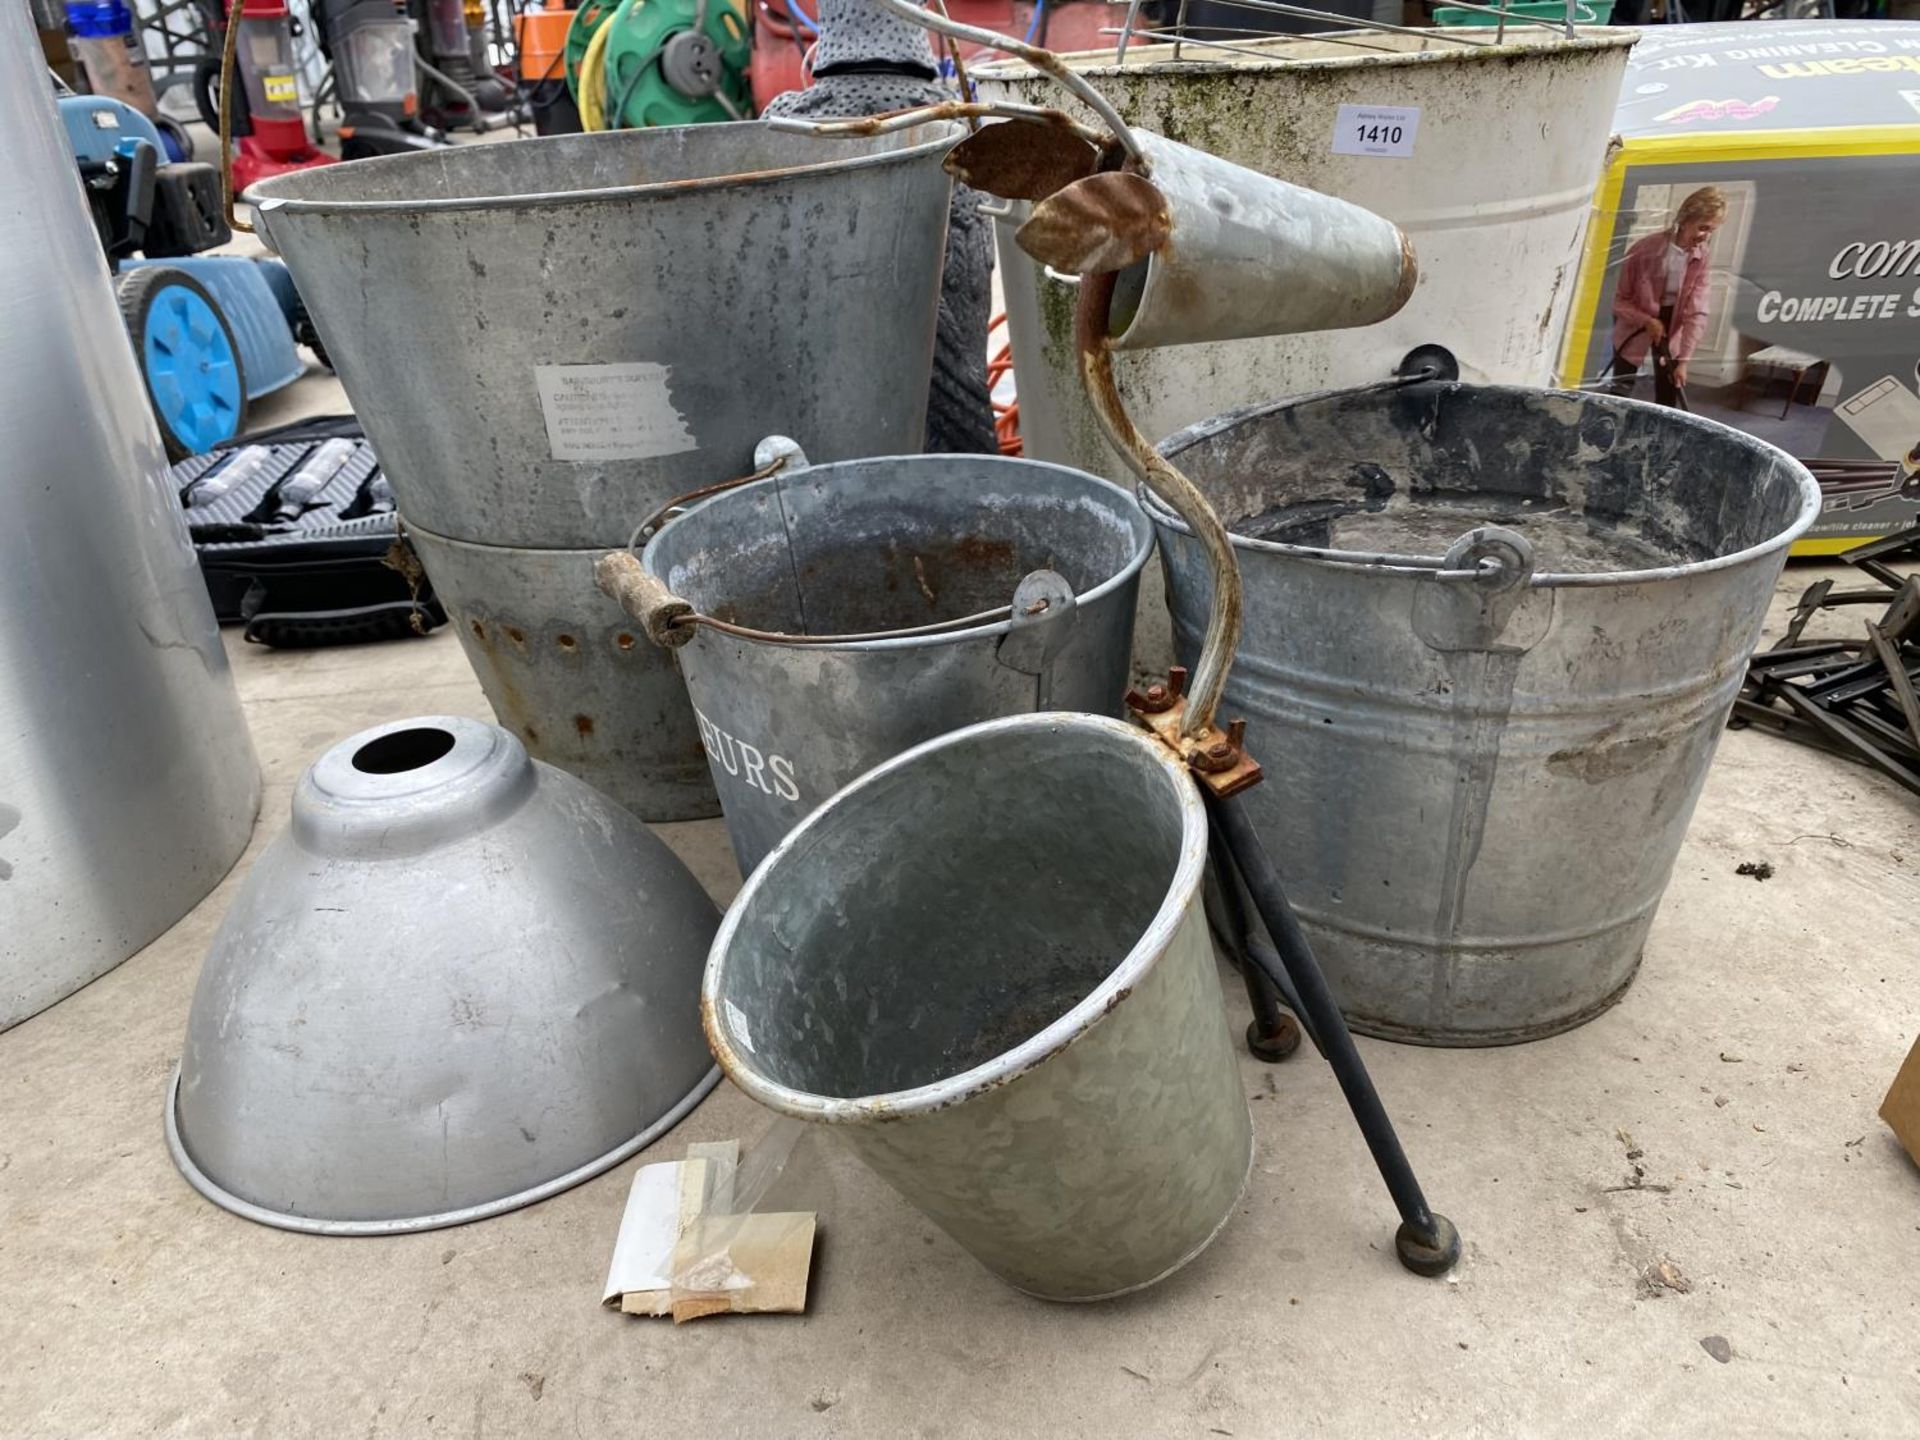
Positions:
{"x": 844, "y": 613}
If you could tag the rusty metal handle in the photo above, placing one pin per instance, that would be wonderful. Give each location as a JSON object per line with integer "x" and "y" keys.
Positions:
{"x": 1160, "y": 476}
{"x": 646, "y": 529}
{"x": 234, "y": 222}
{"x": 661, "y": 613}
{"x": 1041, "y": 59}
{"x": 888, "y": 121}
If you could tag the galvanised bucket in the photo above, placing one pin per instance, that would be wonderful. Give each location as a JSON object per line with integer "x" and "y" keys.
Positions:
{"x": 570, "y": 674}
{"x": 1483, "y": 748}
{"x": 128, "y": 783}
{"x": 985, "y": 966}
{"x": 546, "y": 339}
{"x": 854, "y": 610}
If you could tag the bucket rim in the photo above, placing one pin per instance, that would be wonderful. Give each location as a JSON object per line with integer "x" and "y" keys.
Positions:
{"x": 1146, "y": 953}
{"x": 1163, "y": 516}
{"x": 1100, "y": 65}
{"x": 246, "y": 1209}
{"x": 947, "y": 134}
{"x": 903, "y": 637}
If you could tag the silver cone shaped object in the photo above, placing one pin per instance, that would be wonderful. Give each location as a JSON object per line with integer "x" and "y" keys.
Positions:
{"x": 459, "y": 982}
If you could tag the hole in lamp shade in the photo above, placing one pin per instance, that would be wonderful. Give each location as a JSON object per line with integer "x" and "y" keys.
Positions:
{"x": 402, "y": 750}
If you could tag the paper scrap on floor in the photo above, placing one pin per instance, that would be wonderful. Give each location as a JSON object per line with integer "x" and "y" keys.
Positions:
{"x": 681, "y": 1250}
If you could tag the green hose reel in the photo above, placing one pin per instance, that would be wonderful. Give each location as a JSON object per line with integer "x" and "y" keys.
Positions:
{"x": 666, "y": 62}
{"x": 587, "y": 18}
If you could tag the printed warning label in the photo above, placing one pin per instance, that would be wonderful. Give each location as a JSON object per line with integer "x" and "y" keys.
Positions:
{"x": 610, "y": 412}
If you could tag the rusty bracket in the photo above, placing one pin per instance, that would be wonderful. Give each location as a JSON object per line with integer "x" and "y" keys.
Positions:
{"x": 1217, "y": 758}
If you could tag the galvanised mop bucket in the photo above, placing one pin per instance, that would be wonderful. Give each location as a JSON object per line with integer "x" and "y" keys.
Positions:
{"x": 849, "y": 611}
{"x": 546, "y": 339}
{"x": 985, "y": 967}
{"x": 1492, "y": 635}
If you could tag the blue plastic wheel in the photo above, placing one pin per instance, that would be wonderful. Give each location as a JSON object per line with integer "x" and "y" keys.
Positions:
{"x": 188, "y": 358}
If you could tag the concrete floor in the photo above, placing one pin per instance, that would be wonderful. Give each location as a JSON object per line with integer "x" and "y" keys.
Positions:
{"x": 1746, "y": 1064}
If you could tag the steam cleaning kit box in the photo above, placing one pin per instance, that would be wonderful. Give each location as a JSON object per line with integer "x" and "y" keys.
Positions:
{"x": 1803, "y": 327}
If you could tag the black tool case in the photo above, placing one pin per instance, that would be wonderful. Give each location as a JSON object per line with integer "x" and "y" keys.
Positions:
{"x": 303, "y": 570}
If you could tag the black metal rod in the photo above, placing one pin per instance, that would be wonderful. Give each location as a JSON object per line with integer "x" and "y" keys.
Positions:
{"x": 1322, "y": 1012}
{"x": 1249, "y": 951}
{"x": 1263, "y": 997}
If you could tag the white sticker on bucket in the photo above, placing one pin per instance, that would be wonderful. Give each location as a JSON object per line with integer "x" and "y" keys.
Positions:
{"x": 739, "y": 1024}
{"x": 1376, "y": 129}
{"x": 610, "y": 412}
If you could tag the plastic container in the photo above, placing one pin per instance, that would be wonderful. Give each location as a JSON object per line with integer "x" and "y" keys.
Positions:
{"x": 1585, "y": 12}
{"x": 107, "y": 44}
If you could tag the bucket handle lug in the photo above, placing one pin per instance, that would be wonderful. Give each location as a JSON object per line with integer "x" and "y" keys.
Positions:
{"x": 1045, "y": 611}
{"x": 1498, "y": 609}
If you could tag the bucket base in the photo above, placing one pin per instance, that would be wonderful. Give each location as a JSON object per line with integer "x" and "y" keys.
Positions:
{"x": 1488, "y": 1039}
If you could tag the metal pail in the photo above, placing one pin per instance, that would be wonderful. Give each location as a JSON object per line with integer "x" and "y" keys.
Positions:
{"x": 128, "y": 784}
{"x": 1480, "y": 767}
{"x": 1050, "y": 1080}
{"x": 571, "y": 675}
{"x": 875, "y": 552}
{"x": 547, "y": 338}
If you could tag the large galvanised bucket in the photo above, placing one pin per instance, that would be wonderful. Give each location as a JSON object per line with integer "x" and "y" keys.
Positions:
{"x": 128, "y": 785}
{"x": 569, "y": 673}
{"x": 985, "y": 967}
{"x": 1495, "y": 152}
{"x": 885, "y": 556}
{"x": 547, "y": 339}
{"x": 1482, "y": 756}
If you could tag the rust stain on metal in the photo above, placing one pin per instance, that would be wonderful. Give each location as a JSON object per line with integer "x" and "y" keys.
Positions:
{"x": 1409, "y": 274}
{"x": 1098, "y": 225}
{"x": 1217, "y": 758}
{"x": 583, "y": 725}
{"x": 1021, "y": 159}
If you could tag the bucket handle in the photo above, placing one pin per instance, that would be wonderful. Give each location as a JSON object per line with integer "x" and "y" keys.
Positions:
{"x": 771, "y": 455}
{"x": 669, "y": 621}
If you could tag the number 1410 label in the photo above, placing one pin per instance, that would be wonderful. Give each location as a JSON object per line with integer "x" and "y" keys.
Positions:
{"x": 1376, "y": 129}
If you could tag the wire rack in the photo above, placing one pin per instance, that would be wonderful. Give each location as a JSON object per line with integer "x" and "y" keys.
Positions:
{"x": 1200, "y": 42}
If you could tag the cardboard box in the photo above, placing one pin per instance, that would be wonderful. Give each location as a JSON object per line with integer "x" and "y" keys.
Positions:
{"x": 1808, "y": 134}
{"x": 1901, "y": 1108}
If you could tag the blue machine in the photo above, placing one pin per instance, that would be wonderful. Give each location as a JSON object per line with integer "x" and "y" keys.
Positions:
{"x": 211, "y": 333}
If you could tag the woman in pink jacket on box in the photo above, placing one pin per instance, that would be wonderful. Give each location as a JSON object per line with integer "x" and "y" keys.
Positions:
{"x": 1660, "y": 304}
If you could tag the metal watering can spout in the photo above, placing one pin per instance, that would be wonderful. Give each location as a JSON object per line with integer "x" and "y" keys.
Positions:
{"x": 1171, "y": 246}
